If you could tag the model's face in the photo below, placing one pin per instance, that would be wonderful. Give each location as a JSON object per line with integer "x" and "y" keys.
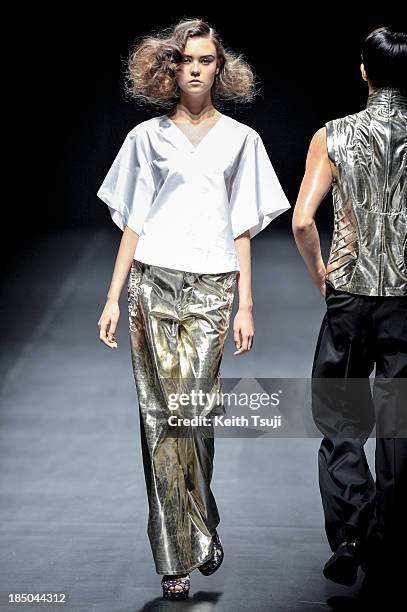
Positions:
{"x": 197, "y": 70}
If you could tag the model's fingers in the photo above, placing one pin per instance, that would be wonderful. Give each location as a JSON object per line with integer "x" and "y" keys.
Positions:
{"x": 112, "y": 329}
{"x": 236, "y": 337}
{"x": 111, "y": 340}
{"x": 102, "y": 331}
{"x": 111, "y": 343}
{"x": 107, "y": 337}
{"x": 245, "y": 343}
{"x": 238, "y": 341}
{"x": 242, "y": 348}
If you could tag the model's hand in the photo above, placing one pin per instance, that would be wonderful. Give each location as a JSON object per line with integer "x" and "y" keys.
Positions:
{"x": 243, "y": 330}
{"x": 108, "y": 322}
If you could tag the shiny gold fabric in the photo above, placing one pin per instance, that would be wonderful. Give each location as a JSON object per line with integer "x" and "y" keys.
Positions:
{"x": 368, "y": 250}
{"x": 178, "y": 325}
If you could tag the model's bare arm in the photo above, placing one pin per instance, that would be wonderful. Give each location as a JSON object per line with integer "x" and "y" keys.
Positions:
{"x": 111, "y": 312}
{"x": 315, "y": 185}
{"x": 243, "y": 326}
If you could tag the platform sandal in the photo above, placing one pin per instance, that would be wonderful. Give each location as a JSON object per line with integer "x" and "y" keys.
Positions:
{"x": 214, "y": 563}
{"x": 169, "y": 583}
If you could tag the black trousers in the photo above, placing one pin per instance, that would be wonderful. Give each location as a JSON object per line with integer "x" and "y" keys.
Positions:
{"x": 358, "y": 333}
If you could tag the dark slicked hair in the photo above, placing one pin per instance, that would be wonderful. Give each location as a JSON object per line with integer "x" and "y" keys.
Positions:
{"x": 384, "y": 56}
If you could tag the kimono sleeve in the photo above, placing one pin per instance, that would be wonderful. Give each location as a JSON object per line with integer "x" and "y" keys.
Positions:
{"x": 256, "y": 196}
{"x": 128, "y": 188}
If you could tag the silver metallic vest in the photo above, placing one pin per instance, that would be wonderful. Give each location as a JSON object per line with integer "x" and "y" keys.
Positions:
{"x": 368, "y": 253}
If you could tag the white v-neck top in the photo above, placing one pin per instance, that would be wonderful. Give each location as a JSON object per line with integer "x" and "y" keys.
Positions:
{"x": 188, "y": 203}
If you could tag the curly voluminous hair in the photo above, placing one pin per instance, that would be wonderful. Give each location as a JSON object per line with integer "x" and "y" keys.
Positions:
{"x": 154, "y": 60}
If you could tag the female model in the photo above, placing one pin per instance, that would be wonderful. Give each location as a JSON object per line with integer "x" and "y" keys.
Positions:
{"x": 189, "y": 189}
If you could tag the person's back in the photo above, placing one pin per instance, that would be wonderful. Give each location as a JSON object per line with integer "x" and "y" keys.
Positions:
{"x": 369, "y": 149}
{"x": 362, "y": 157}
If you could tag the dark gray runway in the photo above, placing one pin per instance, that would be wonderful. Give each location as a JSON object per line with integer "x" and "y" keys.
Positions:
{"x": 73, "y": 507}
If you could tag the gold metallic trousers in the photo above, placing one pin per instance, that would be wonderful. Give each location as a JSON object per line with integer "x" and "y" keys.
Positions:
{"x": 178, "y": 326}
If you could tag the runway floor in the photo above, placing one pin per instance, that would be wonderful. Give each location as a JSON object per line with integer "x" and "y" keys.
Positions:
{"x": 73, "y": 509}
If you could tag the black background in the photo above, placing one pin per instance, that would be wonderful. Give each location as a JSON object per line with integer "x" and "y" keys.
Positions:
{"x": 69, "y": 114}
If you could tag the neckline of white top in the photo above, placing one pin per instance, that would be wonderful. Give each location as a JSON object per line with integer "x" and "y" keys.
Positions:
{"x": 192, "y": 147}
